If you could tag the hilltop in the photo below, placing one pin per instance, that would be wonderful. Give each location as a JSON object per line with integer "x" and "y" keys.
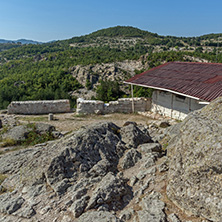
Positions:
{"x": 56, "y": 70}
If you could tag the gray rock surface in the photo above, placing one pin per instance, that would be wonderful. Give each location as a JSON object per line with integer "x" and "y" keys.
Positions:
{"x": 152, "y": 208}
{"x": 130, "y": 158}
{"x": 150, "y": 147}
{"x": 17, "y": 133}
{"x": 10, "y": 204}
{"x": 195, "y": 167}
{"x": 42, "y": 128}
{"x": 173, "y": 218}
{"x": 164, "y": 165}
{"x": 109, "y": 191}
{"x": 100, "y": 216}
{"x": 76, "y": 174}
{"x": 81, "y": 177}
{"x": 79, "y": 206}
{"x": 133, "y": 136}
{"x": 8, "y": 120}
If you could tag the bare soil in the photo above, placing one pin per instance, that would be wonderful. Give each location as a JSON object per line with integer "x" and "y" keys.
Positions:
{"x": 72, "y": 122}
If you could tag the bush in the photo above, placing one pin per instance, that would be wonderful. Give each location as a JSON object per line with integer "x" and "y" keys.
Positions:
{"x": 139, "y": 91}
{"x": 108, "y": 91}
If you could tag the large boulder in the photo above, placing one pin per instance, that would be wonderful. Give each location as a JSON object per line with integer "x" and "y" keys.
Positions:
{"x": 195, "y": 166}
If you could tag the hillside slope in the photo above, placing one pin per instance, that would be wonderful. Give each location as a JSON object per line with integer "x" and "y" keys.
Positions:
{"x": 46, "y": 71}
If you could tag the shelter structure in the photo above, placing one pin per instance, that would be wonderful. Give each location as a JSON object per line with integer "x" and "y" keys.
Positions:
{"x": 181, "y": 87}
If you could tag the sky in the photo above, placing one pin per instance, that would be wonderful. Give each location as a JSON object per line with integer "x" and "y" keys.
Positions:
{"x": 46, "y": 20}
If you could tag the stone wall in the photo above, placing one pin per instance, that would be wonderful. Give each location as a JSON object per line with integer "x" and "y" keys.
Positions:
{"x": 39, "y": 107}
{"x": 123, "y": 105}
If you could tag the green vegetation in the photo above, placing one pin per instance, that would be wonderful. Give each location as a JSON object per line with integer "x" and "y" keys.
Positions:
{"x": 2, "y": 178}
{"x": 139, "y": 91}
{"x": 8, "y": 142}
{"x": 39, "y": 118}
{"x": 34, "y": 137}
{"x": 118, "y": 31}
{"x": 43, "y": 71}
{"x": 6, "y": 46}
{"x": 108, "y": 91}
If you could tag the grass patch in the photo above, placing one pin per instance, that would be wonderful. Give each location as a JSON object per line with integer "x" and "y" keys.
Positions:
{"x": 4, "y": 130}
{"x": 81, "y": 115}
{"x": 8, "y": 142}
{"x": 35, "y": 138}
{"x": 33, "y": 118}
{"x": 2, "y": 178}
{"x": 165, "y": 145}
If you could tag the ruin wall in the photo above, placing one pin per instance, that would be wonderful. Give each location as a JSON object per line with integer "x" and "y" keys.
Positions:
{"x": 123, "y": 105}
{"x": 39, "y": 107}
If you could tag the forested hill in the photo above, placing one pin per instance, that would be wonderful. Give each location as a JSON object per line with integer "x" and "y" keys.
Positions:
{"x": 32, "y": 72}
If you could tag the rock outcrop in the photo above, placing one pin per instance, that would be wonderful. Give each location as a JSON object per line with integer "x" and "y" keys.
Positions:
{"x": 80, "y": 177}
{"x": 92, "y": 74}
{"x": 195, "y": 166}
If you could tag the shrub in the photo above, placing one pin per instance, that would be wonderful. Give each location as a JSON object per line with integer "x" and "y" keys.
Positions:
{"x": 108, "y": 91}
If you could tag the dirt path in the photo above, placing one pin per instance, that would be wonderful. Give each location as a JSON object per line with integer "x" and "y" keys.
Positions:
{"x": 71, "y": 121}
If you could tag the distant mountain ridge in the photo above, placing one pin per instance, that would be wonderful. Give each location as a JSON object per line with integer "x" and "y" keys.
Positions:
{"x": 22, "y": 41}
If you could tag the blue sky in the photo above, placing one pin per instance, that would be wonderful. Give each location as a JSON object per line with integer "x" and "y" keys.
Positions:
{"x": 46, "y": 20}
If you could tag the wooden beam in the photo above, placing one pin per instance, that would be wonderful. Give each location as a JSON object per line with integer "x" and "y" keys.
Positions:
{"x": 133, "y": 109}
{"x": 171, "y": 115}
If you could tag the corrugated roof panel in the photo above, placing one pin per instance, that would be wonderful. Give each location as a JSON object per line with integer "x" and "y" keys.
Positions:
{"x": 201, "y": 80}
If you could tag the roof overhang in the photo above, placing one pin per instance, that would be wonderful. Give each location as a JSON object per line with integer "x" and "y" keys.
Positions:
{"x": 169, "y": 90}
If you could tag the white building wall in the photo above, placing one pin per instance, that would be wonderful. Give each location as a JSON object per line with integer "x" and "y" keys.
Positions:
{"x": 172, "y": 105}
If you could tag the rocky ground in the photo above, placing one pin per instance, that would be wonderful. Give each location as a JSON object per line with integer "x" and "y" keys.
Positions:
{"x": 109, "y": 172}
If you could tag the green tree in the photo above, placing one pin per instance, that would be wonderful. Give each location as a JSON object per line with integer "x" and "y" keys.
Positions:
{"x": 139, "y": 91}
{"x": 108, "y": 91}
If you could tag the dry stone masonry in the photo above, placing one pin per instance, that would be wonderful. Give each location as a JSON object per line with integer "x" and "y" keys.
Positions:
{"x": 39, "y": 107}
{"x": 123, "y": 105}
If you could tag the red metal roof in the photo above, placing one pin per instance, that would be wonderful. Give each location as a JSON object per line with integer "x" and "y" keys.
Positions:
{"x": 200, "y": 80}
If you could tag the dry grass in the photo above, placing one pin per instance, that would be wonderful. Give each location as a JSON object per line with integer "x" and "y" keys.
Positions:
{"x": 2, "y": 178}
{"x": 7, "y": 142}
